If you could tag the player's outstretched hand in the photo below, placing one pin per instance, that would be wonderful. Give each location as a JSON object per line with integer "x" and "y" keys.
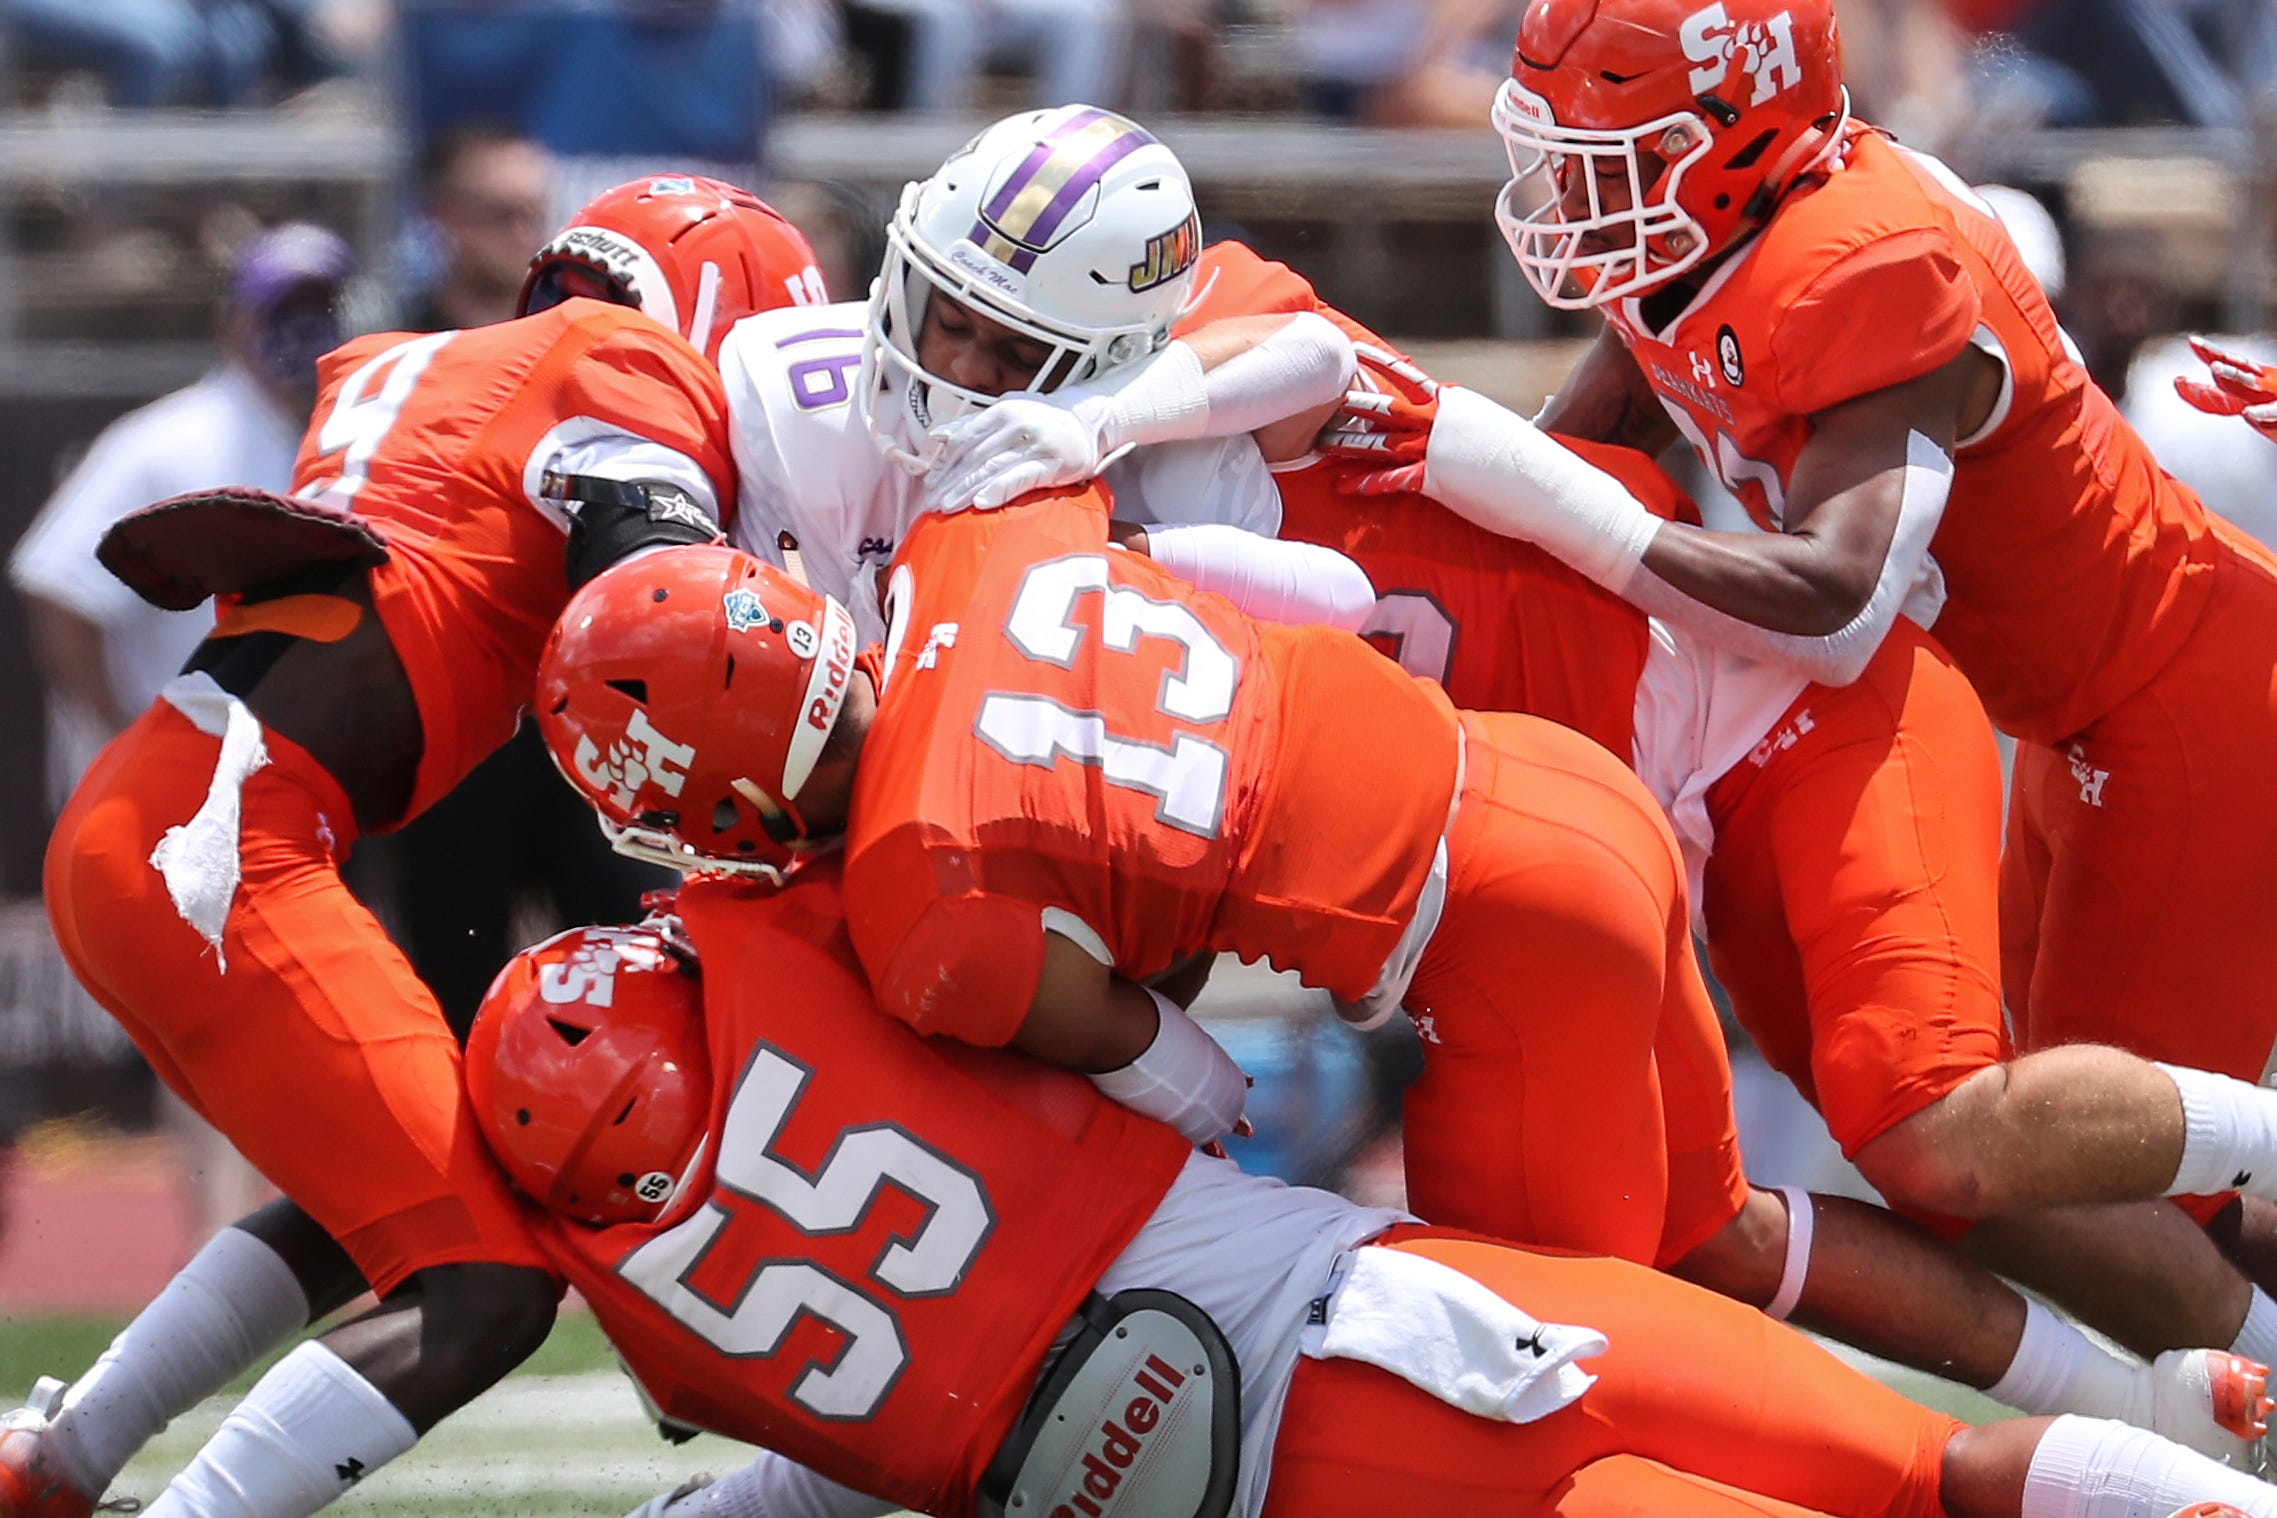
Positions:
{"x": 1002, "y": 452}
{"x": 1384, "y": 424}
{"x": 2238, "y": 386}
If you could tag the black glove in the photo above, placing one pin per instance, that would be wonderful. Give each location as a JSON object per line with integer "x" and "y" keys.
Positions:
{"x": 610, "y": 519}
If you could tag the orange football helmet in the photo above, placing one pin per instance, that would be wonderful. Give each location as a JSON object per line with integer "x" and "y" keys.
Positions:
{"x": 588, "y": 1072}
{"x": 687, "y": 693}
{"x": 1653, "y": 133}
{"x": 697, "y": 254}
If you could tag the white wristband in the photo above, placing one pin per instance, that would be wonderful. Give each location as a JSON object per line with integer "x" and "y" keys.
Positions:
{"x": 1302, "y": 584}
{"x": 1802, "y": 1218}
{"x": 1183, "y": 1078}
{"x": 1493, "y": 467}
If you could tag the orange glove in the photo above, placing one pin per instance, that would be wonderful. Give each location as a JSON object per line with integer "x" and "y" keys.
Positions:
{"x": 2241, "y": 387}
{"x": 1384, "y": 423}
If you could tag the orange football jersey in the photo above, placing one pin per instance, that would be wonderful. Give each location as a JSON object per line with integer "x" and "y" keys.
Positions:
{"x": 438, "y": 440}
{"x": 1072, "y": 738}
{"x": 868, "y": 1270}
{"x": 2073, "y": 565}
{"x": 1504, "y": 626}
{"x": 1501, "y": 624}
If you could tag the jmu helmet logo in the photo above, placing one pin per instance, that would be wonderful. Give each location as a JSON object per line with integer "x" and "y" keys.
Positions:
{"x": 1168, "y": 254}
{"x": 744, "y": 610}
{"x": 641, "y": 757}
{"x": 1765, "y": 49}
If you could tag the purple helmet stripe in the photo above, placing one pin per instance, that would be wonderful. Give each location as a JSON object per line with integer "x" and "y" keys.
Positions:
{"x": 1033, "y": 164}
{"x": 1080, "y": 183}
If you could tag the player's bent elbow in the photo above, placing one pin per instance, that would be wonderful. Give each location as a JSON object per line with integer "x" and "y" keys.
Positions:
{"x": 1082, "y": 1017}
{"x": 1825, "y": 603}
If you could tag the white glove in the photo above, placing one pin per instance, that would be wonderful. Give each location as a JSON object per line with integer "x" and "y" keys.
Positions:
{"x": 1022, "y": 443}
{"x": 676, "y": 1503}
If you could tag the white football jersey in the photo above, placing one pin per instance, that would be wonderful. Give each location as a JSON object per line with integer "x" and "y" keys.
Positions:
{"x": 814, "y": 480}
{"x": 1701, "y": 710}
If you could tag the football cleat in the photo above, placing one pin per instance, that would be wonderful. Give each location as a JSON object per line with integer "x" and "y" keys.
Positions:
{"x": 30, "y": 1485}
{"x": 2215, "y": 1402}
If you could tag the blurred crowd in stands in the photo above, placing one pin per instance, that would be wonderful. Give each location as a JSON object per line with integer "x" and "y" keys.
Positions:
{"x": 1924, "y": 66}
{"x": 503, "y": 113}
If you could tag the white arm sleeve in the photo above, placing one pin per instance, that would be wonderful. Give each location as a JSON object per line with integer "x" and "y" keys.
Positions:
{"x": 773, "y": 1487}
{"x": 1493, "y": 468}
{"x": 1273, "y": 581}
{"x": 1183, "y": 1078}
{"x": 1306, "y": 362}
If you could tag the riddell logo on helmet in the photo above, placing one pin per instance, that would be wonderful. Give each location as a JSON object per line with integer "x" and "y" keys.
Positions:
{"x": 835, "y": 667}
{"x": 1766, "y": 49}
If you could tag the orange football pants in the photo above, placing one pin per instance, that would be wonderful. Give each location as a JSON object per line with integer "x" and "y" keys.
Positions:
{"x": 2140, "y": 879}
{"x": 1852, "y": 898}
{"x": 318, "y": 1052}
{"x": 1702, "y": 1407}
{"x": 1562, "y": 963}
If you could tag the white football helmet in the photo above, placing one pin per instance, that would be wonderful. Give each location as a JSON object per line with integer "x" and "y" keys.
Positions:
{"x": 1071, "y": 226}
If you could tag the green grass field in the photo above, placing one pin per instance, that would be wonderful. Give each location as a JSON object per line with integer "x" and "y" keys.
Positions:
{"x": 562, "y": 1438}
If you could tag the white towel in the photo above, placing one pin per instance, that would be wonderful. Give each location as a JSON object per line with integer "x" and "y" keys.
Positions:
{"x": 199, "y": 859}
{"x": 1442, "y": 1331}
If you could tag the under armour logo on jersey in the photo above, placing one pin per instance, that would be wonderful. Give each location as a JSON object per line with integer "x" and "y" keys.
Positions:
{"x": 641, "y": 756}
{"x": 1426, "y": 1026}
{"x": 943, "y": 635}
{"x": 2089, "y": 778}
{"x": 1702, "y": 370}
{"x": 1765, "y": 49}
{"x": 350, "y": 1471}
